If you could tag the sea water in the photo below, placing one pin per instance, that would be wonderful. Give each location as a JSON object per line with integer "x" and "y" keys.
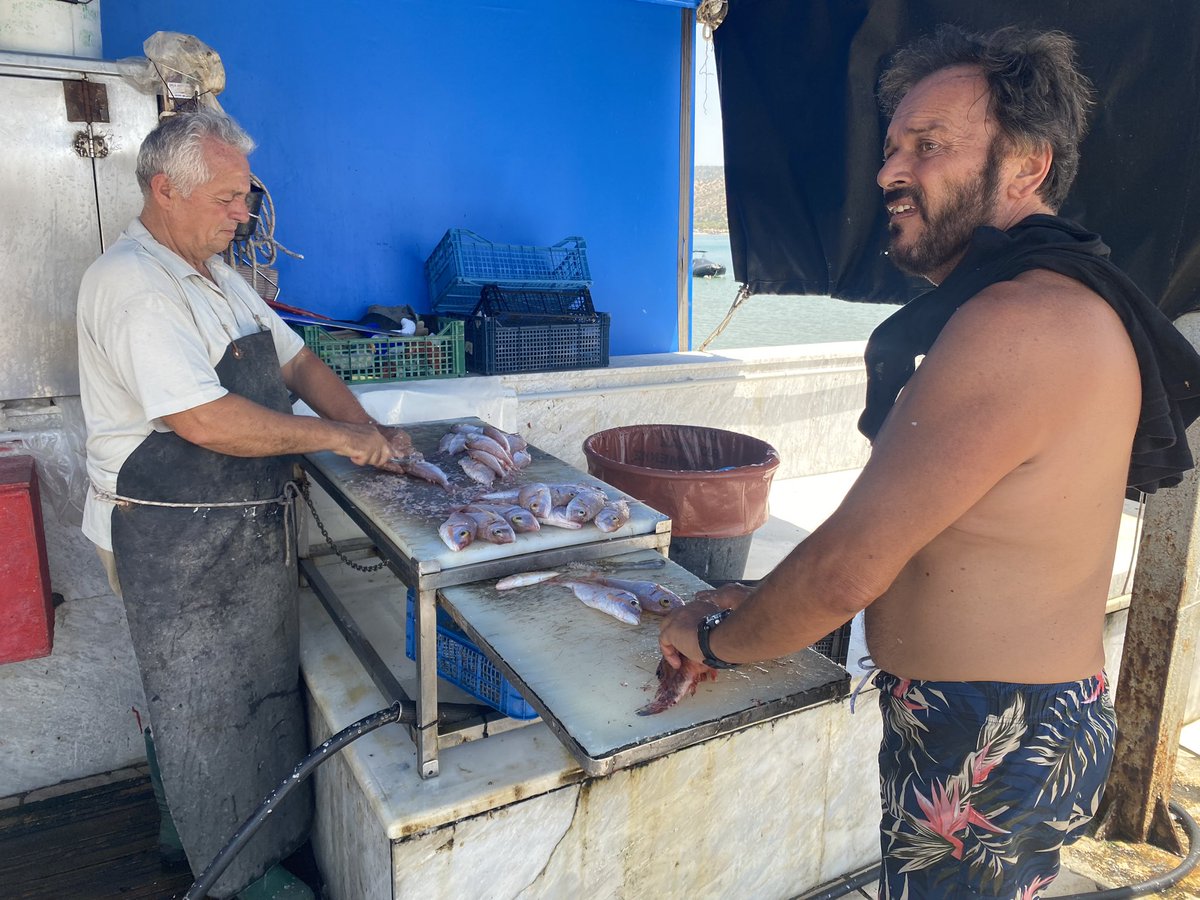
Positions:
{"x": 767, "y": 320}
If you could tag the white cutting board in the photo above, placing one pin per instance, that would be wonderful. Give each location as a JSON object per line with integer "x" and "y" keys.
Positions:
{"x": 408, "y": 511}
{"x": 587, "y": 674}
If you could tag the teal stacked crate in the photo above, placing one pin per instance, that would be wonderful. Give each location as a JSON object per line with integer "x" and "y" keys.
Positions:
{"x": 463, "y": 263}
{"x": 463, "y": 664}
{"x": 513, "y": 330}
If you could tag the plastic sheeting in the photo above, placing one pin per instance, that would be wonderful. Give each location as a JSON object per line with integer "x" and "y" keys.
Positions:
{"x": 59, "y": 450}
{"x": 803, "y": 137}
{"x": 404, "y": 403}
{"x": 712, "y": 483}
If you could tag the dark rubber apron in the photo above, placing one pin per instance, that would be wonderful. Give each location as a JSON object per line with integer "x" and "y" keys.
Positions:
{"x": 210, "y": 593}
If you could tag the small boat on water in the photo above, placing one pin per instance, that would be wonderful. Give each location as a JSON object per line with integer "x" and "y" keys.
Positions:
{"x": 703, "y": 267}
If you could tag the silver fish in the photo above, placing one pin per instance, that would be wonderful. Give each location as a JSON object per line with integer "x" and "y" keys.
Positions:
{"x": 457, "y": 531}
{"x": 653, "y": 596}
{"x": 612, "y": 516}
{"x": 535, "y": 497}
{"x": 621, "y": 605}
{"x": 559, "y": 519}
{"x": 521, "y": 519}
{"x": 485, "y": 443}
{"x": 584, "y": 506}
{"x": 524, "y": 579}
{"x": 491, "y": 527}
{"x": 419, "y": 468}
{"x": 499, "y": 437}
{"x": 452, "y": 442}
{"x": 562, "y": 494}
{"x": 466, "y": 428}
{"x": 516, "y": 442}
{"x": 477, "y": 471}
{"x": 488, "y": 460}
{"x": 521, "y": 458}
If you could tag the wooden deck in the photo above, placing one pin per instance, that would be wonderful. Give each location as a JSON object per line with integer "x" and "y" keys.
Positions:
{"x": 95, "y": 844}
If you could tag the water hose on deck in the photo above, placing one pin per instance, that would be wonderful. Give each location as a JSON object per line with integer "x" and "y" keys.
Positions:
{"x": 404, "y": 712}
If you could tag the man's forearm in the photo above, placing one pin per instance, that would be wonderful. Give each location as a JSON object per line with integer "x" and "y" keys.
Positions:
{"x": 794, "y": 606}
{"x": 318, "y": 386}
{"x": 239, "y": 427}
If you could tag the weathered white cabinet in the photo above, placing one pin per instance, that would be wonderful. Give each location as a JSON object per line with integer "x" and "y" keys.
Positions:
{"x": 69, "y": 135}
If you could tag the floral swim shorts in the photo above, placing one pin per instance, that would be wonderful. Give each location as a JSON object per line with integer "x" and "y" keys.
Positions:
{"x": 982, "y": 782}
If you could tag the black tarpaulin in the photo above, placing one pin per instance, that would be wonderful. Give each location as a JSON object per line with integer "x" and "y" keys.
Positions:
{"x": 803, "y": 137}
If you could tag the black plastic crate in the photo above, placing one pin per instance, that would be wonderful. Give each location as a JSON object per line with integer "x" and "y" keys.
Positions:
{"x": 497, "y": 301}
{"x": 535, "y": 331}
{"x": 836, "y": 645}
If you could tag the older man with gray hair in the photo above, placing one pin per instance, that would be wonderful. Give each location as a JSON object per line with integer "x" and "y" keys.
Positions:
{"x": 185, "y": 377}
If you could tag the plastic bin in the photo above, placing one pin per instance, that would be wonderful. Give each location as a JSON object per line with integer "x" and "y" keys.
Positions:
{"x": 463, "y": 262}
{"x": 463, "y": 664}
{"x": 365, "y": 359}
{"x": 520, "y": 330}
{"x": 714, "y": 485}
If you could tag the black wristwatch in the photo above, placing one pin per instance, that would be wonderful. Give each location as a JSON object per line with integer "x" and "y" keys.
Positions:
{"x": 707, "y": 624}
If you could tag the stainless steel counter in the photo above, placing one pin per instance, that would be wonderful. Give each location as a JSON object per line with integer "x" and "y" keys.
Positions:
{"x": 401, "y": 515}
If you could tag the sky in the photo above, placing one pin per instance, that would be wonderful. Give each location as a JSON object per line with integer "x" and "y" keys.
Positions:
{"x": 708, "y": 148}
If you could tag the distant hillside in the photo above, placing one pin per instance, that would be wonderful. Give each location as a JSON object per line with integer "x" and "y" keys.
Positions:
{"x": 710, "y": 215}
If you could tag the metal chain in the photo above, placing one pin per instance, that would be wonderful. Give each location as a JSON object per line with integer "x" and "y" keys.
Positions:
{"x": 334, "y": 547}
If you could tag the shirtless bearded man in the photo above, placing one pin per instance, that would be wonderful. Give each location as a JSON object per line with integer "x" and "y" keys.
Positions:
{"x": 980, "y": 536}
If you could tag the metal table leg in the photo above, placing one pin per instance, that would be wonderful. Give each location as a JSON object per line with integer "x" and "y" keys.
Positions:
{"x": 427, "y": 705}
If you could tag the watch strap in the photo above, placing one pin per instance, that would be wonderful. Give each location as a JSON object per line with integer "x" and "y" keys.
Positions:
{"x": 703, "y": 630}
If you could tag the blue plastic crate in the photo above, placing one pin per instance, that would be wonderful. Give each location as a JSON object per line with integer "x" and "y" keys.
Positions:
{"x": 463, "y": 263}
{"x": 463, "y": 664}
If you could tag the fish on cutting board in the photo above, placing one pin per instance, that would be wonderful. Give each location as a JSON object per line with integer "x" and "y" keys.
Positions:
{"x": 621, "y": 605}
{"x": 675, "y": 684}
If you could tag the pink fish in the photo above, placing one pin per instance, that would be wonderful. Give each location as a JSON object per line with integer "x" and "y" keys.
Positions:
{"x": 524, "y": 579}
{"x": 492, "y": 527}
{"x": 452, "y": 442}
{"x": 486, "y": 444}
{"x": 654, "y": 597}
{"x": 584, "y": 505}
{"x": 492, "y": 462}
{"x": 559, "y": 519}
{"x": 612, "y": 516}
{"x": 621, "y": 605}
{"x": 477, "y": 471}
{"x": 419, "y": 468}
{"x": 457, "y": 531}
{"x": 675, "y": 684}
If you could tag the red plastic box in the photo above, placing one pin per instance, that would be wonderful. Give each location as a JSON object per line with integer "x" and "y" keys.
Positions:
{"x": 26, "y": 609}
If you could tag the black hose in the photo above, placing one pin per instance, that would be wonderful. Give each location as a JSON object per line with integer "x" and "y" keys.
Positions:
{"x": 842, "y": 888}
{"x": 1163, "y": 881}
{"x": 397, "y": 712}
{"x": 1142, "y": 889}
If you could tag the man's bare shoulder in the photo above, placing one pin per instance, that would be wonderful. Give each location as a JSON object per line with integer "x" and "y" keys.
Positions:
{"x": 1041, "y": 322}
{"x": 1046, "y": 303}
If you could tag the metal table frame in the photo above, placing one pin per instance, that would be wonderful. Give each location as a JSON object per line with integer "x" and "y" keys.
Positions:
{"x": 425, "y": 580}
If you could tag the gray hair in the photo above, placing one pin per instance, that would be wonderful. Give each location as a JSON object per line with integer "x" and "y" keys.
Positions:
{"x": 175, "y": 148}
{"x": 1039, "y": 97}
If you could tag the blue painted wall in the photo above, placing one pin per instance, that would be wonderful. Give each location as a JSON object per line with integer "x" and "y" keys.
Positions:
{"x": 382, "y": 124}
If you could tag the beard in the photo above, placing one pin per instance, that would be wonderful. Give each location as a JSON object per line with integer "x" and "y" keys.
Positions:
{"x": 948, "y": 229}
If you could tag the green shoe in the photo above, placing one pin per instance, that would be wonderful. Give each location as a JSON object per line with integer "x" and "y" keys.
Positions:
{"x": 277, "y": 884}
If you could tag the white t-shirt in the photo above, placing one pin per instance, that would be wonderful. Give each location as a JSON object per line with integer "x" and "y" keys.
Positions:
{"x": 151, "y": 331}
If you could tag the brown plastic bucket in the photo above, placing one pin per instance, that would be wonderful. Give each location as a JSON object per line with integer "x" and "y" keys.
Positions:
{"x": 712, "y": 483}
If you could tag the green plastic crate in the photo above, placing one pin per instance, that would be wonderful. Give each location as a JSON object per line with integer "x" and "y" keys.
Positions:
{"x": 364, "y": 359}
